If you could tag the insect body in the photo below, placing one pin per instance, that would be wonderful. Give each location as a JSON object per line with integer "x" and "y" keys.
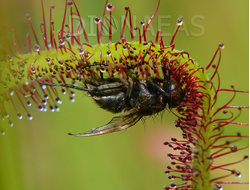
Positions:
{"x": 137, "y": 98}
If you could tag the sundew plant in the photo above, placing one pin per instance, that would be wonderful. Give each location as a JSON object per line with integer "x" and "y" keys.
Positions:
{"x": 200, "y": 143}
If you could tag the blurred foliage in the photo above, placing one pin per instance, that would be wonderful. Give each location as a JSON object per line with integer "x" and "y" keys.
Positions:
{"x": 39, "y": 154}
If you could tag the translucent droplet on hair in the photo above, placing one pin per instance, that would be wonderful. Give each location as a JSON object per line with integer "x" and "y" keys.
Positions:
{"x": 46, "y": 96}
{"x": 68, "y": 36}
{"x": 63, "y": 91}
{"x": 47, "y": 60}
{"x": 57, "y": 108}
{"x": 37, "y": 47}
{"x": 28, "y": 17}
{"x": 108, "y": 53}
{"x": 97, "y": 20}
{"x": 28, "y": 103}
{"x": 44, "y": 86}
{"x": 44, "y": 108}
{"x": 49, "y": 44}
{"x": 238, "y": 174}
{"x": 9, "y": 57}
{"x": 221, "y": 46}
{"x": 110, "y": 7}
{"x": 61, "y": 42}
{"x": 179, "y": 21}
{"x": 246, "y": 157}
{"x": 58, "y": 100}
{"x": 219, "y": 186}
{"x": 10, "y": 123}
{"x": 69, "y": 3}
{"x": 81, "y": 52}
{"x": 142, "y": 23}
{"x": 126, "y": 8}
{"x": 44, "y": 102}
{"x": 234, "y": 148}
{"x": 52, "y": 109}
{"x": 19, "y": 115}
{"x": 72, "y": 99}
{"x": 30, "y": 117}
{"x": 11, "y": 92}
{"x": 40, "y": 108}
{"x": 6, "y": 115}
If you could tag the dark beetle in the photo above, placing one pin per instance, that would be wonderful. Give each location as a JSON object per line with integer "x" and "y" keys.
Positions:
{"x": 137, "y": 98}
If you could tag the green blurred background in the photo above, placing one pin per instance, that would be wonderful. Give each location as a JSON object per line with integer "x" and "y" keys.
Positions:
{"x": 38, "y": 154}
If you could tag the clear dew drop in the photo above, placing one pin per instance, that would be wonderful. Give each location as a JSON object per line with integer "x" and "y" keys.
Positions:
{"x": 126, "y": 8}
{"x": 26, "y": 83}
{"x": 58, "y": 100}
{"x": 219, "y": 187}
{"x": 28, "y": 103}
{"x": 6, "y": 115}
{"x": 57, "y": 108}
{"x": 49, "y": 44}
{"x": 63, "y": 91}
{"x": 110, "y": 7}
{"x": 2, "y": 132}
{"x": 179, "y": 21}
{"x": 72, "y": 99}
{"x": 142, "y": 23}
{"x": 44, "y": 108}
{"x": 40, "y": 108}
{"x": 61, "y": 42}
{"x": 11, "y": 93}
{"x": 44, "y": 102}
{"x": 238, "y": 174}
{"x": 37, "y": 47}
{"x": 10, "y": 123}
{"x": 69, "y": 3}
{"x": 44, "y": 87}
{"x": 221, "y": 46}
{"x": 97, "y": 20}
{"x": 68, "y": 36}
{"x": 30, "y": 117}
{"x": 60, "y": 62}
{"x": 52, "y": 109}
{"x": 72, "y": 93}
{"x": 19, "y": 115}
{"x": 9, "y": 57}
{"x": 173, "y": 185}
{"x": 246, "y": 157}
{"x": 46, "y": 96}
{"x": 28, "y": 17}
{"x": 234, "y": 148}
{"x": 81, "y": 52}
{"x": 47, "y": 60}
{"x": 109, "y": 53}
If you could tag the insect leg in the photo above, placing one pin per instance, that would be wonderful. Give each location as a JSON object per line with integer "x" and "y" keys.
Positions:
{"x": 64, "y": 85}
{"x": 156, "y": 79}
{"x": 157, "y": 88}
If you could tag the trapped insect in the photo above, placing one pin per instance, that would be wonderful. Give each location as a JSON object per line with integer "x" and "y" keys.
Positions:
{"x": 137, "y": 98}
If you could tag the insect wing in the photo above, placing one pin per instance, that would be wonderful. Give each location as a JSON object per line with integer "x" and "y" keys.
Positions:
{"x": 119, "y": 123}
